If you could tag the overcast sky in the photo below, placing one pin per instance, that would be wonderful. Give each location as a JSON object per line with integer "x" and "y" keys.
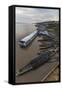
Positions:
{"x": 35, "y": 15}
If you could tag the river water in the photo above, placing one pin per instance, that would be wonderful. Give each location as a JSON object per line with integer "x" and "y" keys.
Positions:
{"x": 24, "y": 55}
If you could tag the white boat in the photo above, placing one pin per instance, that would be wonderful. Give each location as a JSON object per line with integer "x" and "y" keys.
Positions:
{"x": 27, "y": 40}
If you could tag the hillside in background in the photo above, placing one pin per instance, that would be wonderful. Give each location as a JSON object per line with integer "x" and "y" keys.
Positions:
{"x": 51, "y": 26}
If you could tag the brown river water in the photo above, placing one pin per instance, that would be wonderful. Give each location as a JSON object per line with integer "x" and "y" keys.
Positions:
{"x": 25, "y": 55}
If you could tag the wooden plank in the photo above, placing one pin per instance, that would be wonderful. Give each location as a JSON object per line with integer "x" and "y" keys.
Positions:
{"x": 52, "y": 67}
{"x": 54, "y": 75}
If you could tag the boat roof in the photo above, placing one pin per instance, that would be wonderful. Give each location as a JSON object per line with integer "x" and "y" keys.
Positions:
{"x": 29, "y": 36}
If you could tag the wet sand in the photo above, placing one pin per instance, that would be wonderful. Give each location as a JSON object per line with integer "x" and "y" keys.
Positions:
{"x": 54, "y": 75}
{"x": 25, "y": 55}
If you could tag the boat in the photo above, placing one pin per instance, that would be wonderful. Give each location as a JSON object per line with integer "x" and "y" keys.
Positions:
{"x": 28, "y": 39}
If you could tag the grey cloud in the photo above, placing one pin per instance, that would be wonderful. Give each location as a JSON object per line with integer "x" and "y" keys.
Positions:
{"x": 33, "y": 15}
